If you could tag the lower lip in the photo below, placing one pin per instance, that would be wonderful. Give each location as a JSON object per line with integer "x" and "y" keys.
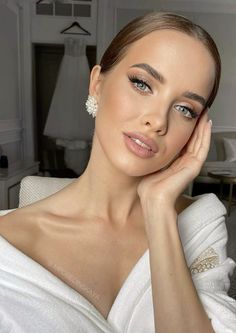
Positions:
{"x": 137, "y": 149}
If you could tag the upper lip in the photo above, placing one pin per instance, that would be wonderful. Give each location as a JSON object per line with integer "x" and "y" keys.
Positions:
{"x": 148, "y": 141}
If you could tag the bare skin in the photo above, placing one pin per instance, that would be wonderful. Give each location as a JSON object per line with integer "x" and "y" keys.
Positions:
{"x": 40, "y": 234}
{"x": 86, "y": 216}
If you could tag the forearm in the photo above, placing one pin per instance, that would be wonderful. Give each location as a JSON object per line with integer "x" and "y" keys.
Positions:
{"x": 177, "y": 307}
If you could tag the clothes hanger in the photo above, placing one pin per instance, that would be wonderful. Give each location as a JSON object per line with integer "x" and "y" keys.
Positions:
{"x": 75, "y": 24}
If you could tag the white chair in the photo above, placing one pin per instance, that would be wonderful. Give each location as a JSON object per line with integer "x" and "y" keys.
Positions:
{"x": 34, "y": 188}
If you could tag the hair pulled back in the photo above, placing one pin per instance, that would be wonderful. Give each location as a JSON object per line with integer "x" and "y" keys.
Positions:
{"x": 155, "y": 21}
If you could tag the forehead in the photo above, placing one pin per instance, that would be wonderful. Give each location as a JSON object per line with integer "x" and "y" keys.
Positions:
{"x": 174, "y": 54}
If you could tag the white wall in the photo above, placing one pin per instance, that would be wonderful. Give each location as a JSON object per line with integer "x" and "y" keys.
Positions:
{"x": 9, "y": 93}
{"x": 10, "y": 110}
{"x": 222, "y": 27}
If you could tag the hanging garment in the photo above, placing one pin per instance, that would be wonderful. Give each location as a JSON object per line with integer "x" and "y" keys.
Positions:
{"x": 68, "y": 122}
{"x": 32, "y": 299}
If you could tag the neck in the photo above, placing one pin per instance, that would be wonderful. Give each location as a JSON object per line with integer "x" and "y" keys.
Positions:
{"x": 108, "y": 193}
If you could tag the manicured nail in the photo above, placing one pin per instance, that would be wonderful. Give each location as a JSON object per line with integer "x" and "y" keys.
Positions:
{"x": 210, "y": 122}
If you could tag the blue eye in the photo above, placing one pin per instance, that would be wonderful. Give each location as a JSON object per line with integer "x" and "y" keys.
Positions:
{"x": 187, "y": 112}
{"x": 140, "y": 84}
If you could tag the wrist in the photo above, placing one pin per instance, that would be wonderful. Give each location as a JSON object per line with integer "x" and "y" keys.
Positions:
{"x": 158, "y": 207}
{"x": 160, "y": 219}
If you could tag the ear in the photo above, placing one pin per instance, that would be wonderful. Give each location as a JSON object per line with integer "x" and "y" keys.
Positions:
{"x": 95, "y": 82}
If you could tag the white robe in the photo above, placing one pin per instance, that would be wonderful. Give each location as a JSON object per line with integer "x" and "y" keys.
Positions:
{"x": 34, "y": 300}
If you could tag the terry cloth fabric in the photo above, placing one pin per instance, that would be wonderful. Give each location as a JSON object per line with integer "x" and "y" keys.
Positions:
{"x": 34, "y": 300}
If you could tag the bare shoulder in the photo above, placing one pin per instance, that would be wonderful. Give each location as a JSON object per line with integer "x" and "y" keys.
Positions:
{"x": 183, "y": 202}
{"x": 24, "y": 226}
{"x": 35, "y": 211}
{"x": 20, "y": 226}
{"x": 22, "y": 213}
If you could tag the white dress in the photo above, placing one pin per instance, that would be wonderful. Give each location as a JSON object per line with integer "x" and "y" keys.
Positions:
{"x": 67, "y": 121}
{"x": 34, "y": 300}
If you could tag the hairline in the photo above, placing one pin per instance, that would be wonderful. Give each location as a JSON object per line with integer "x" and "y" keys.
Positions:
{"x": 123, "y": 52}
{"x": 158, "y": 21}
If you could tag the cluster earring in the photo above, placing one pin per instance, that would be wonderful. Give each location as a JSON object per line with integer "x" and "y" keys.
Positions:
{"x": 91, "y": 105}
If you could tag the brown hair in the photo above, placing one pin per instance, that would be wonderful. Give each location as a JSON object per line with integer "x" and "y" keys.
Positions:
{"x": 154, "y": 21}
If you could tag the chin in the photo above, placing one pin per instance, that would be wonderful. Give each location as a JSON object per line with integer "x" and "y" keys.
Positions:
{"x": 139, "y": 170}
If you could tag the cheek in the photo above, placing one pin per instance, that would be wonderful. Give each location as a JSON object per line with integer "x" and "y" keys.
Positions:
{"x": 117, "y": 102}
{"x": 178, "y": 139}
{"x": 115, "y": 109}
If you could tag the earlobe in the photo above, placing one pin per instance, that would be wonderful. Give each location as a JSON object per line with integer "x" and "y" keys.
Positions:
{"x": 95, "y": 81}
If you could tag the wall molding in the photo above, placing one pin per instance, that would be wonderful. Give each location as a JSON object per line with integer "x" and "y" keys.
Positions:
{"x": 10, "y": 131}
{"x": 223, "y": 129}
{"x": 9, "y": 136}
{"x": 10, "y": 124}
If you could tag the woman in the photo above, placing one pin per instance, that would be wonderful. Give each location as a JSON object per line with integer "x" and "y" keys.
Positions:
{"x": 120, "y": 249}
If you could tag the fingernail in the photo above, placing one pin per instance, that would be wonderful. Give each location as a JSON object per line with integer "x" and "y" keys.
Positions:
{"x": 210, "y": 122}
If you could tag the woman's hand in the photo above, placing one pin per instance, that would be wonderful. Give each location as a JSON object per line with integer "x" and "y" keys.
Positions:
{"x": 170, "y": 274}
{"x": 164, "y": 187}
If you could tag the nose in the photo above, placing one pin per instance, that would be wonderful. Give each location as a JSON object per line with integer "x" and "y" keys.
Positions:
{"x": 156, "y": 122}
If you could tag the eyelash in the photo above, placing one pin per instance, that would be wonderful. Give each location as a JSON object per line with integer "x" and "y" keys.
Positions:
{"x": 135, "y": 80}
{"x": 192, "y": 113}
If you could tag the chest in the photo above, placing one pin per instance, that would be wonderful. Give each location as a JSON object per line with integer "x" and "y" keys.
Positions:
{"x": 96, "y": 269}
{"x": 94, "y": 264}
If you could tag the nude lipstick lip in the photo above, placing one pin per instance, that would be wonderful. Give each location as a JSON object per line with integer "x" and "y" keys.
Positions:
{"x": 149, "y": 142}
{"x": 144, "y": 151}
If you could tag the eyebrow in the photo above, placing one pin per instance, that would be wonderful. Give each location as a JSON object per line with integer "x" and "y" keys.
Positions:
{"x": 154, "y": 73}
{"x": 195, "y": 97}
{"x": 150, "y": 70}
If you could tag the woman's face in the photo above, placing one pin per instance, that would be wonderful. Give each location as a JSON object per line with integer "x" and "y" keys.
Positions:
{"x": 158, "y": 90}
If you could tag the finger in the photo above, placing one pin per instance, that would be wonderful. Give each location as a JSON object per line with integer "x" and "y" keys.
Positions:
{"x": 191, "y": 143}
{"x": 195, "y": 136}
{"x": 192, "y": 140}
{"x": 200, "y": 132}
{"x": 205, "y": 144}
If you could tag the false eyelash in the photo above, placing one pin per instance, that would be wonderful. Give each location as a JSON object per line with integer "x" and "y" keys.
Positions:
{"x": 193, "y": 113}
{"x": 135, "y": 79}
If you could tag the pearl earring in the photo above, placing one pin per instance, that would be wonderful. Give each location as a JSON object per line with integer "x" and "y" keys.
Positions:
{"x": 91, "y": 105}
